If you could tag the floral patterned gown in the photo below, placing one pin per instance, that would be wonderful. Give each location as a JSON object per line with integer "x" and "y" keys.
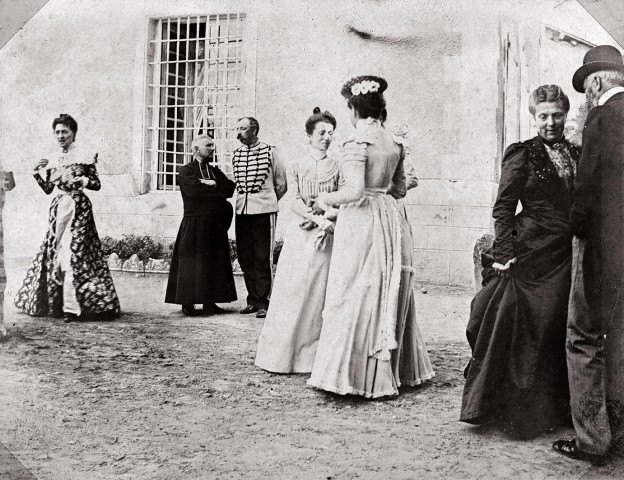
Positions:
{"x": 69, "y": 274}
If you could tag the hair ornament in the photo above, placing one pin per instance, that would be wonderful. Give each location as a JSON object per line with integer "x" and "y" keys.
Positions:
{"x": 364, "y": 87}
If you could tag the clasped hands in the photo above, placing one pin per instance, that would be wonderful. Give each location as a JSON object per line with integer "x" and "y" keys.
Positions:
{"x": 503, "y": 270}
{"x": 316, "y": 207}
{"x": 319, "y": 209}
{"x": 325, "y": 225}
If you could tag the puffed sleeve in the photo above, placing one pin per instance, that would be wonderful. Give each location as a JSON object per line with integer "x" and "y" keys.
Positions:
{"x": 292, "y": 174}
{"x": 46, "y": 185}
{"x": 398, "y": 186}
{"x": 587, "y": 173}
{"x": 93, "y": 178}
{"x": 353, "y": 169}
{"x": 279, "y": 174}
{"x": 514, "y": 174}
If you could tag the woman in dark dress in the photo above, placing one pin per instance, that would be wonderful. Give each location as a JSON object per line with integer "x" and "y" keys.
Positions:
{"x": 517, "y": 376}
{"x": 201, "y": 270}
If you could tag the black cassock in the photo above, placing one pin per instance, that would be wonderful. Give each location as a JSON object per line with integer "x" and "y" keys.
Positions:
{"x": 201, "y": 270}
{"x": 517, "y": 325}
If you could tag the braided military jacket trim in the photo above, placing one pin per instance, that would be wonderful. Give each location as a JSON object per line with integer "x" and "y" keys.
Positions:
{"x": 251, "y": 167}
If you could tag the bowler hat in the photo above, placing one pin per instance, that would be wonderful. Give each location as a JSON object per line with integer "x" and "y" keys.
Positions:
{"x": 602, "y": 57}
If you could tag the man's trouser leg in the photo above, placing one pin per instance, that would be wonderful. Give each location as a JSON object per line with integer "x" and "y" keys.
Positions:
{"x": 264, "y": 233}
{"x": 246, "y": 256}
{"x": 586, "y": 364}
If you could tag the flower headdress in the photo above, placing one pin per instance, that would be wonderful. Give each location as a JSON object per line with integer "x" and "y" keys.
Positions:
{"x": 364, "y": 85}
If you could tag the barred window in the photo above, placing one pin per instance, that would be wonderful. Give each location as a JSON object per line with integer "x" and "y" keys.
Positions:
{"x": 197, "y": 71}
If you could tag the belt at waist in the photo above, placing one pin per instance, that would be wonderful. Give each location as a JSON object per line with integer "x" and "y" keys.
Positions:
{"x": 375, "y": 191}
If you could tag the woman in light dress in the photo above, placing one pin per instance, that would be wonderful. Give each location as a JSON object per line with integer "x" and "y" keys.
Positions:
{"x": 291, "y": 330}
{"x": 370, "y": 343}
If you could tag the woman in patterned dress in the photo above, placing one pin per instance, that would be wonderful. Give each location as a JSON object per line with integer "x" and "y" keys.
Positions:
{"x": 370, "y": 343}
{"x": 291, "y": 330}
{"x": 69, "y": 275}
{"x": 517, "y": 376}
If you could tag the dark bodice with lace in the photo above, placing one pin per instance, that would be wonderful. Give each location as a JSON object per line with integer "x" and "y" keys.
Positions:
{"x": 544, "y": 188}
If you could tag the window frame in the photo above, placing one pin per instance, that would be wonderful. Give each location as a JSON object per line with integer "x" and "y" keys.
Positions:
{"x": 151, "y": 117}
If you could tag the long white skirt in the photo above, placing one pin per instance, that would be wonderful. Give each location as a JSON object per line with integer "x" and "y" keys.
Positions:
{"x": 370, "y": 343}
{"x": 292, "y": 327}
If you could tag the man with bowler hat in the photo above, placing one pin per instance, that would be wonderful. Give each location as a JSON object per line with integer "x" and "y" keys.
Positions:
{"x": 594, "y": 344}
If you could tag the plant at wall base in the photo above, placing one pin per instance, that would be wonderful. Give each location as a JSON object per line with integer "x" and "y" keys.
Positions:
{"x": 109, "y": 245}
{"x": 277, "y": 250}
{"x": 168, "y": 255}
{"x": 144, "y": 246}
{"x": 233, "y": 253}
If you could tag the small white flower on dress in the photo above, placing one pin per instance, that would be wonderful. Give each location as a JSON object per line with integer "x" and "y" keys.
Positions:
{"x": 364, "y": 87}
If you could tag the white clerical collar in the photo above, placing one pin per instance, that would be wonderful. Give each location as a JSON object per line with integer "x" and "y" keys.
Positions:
{"x": 610, "y": 93}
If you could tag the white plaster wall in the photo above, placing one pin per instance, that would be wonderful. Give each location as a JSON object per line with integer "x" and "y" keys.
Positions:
{"x": 441, "y": 59}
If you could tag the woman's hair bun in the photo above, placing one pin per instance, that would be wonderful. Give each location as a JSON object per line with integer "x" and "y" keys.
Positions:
{"x": 318, "y": 116}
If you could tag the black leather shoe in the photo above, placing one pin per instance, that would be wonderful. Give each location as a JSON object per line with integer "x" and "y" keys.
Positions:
{"x": 261, "y": 313}
{"x": 249, "y": 309}
{"x": 570, "y": 450}
{"x": 189, "y": 310}
{"x": 72, "y": 317}
{"x": 212, "y": 309}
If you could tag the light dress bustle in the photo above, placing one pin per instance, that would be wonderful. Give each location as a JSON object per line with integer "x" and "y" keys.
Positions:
{"x": 292, "y": 327}
{"x": 370, "y": 343}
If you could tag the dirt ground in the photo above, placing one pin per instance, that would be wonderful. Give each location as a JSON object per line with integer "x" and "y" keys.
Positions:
{"x": 156, "y": 395}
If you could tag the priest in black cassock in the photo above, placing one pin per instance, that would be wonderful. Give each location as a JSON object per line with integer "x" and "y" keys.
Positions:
{"x": 201, "y": 271}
